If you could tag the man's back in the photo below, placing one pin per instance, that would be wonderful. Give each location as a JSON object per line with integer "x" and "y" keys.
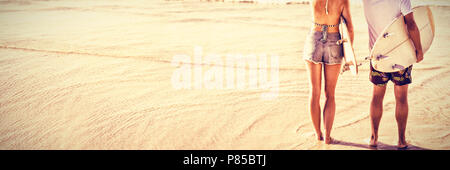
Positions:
{"x": 380, "y": 13}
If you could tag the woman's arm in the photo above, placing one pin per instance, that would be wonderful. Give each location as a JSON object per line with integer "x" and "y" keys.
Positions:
{"x": 348, "y": 20}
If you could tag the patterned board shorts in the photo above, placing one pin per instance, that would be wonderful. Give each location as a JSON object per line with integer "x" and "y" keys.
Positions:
{"x": 325, "y": 51}
{"x": 399, "y": 78}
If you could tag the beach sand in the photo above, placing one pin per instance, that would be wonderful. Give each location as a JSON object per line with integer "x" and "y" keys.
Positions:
{"x": 97, "y": 75}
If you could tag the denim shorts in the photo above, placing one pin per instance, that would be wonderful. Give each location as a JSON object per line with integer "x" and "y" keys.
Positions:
{"x": 319, "y": 50}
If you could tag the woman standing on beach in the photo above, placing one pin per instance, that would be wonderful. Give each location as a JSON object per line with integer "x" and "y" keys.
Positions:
{"x": 323, "y": 51}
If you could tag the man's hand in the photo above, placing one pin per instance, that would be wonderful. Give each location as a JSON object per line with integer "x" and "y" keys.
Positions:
{"x": 419, "y": 55}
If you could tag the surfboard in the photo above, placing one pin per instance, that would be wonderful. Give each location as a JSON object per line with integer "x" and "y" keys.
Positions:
{"x": 393, "y": 50}
{"x": 350, "y": 62}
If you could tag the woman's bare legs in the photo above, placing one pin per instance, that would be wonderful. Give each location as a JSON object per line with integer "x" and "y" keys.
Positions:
{"x": 331, "y": 77}
{"x": 315, "y": 78}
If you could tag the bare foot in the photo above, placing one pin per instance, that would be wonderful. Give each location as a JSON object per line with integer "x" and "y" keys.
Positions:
{"x": 330, "y": 140}
{"x": 373, "y": 142}
{"x": 319, "y": 137}
{"x": 402, "y": 145}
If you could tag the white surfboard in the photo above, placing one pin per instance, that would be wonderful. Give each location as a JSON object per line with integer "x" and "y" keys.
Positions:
{"x": 394, "y": 51}
{"x": 350, "y": 62}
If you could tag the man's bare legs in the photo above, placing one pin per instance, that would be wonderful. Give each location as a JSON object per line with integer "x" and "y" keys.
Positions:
{"x": 376, "y": 111}
{"x": 331, "y": 76}
{"x": 401, "y": 113}
{"x": 315, "y": 77}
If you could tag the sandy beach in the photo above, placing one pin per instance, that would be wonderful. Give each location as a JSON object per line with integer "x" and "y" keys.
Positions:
{"x": 99, "y": 75}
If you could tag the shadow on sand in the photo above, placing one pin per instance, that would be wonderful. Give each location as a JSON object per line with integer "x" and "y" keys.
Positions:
{"x": 381, "y": 146}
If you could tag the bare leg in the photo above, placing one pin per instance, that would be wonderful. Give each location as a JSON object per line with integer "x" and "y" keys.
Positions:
{"x": 376, "y": 111}
{"x": 315, "y": 77}
{"x": 331, "y": 78}
{"x": 401, "y": 113}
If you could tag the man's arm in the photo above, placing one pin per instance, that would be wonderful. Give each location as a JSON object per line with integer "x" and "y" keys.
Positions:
{"x": 348, "y": 20}
{"x": 414, "y": 33}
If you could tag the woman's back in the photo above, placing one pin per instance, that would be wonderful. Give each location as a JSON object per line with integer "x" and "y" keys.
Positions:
{"x": 327, "y": 12}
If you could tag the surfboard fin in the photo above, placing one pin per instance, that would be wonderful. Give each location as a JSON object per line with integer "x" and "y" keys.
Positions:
{"x": 344, "y": 69}
{"x": 385, "y": 35}
{"x": 379, "y": 57}
{"x": 347, "y": 66}
{"x": 341, "y": 41}
{"x": 397, "y": 66}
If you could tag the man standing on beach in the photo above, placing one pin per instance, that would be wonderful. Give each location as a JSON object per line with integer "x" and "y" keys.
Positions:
{"x": 379, "y": 14}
